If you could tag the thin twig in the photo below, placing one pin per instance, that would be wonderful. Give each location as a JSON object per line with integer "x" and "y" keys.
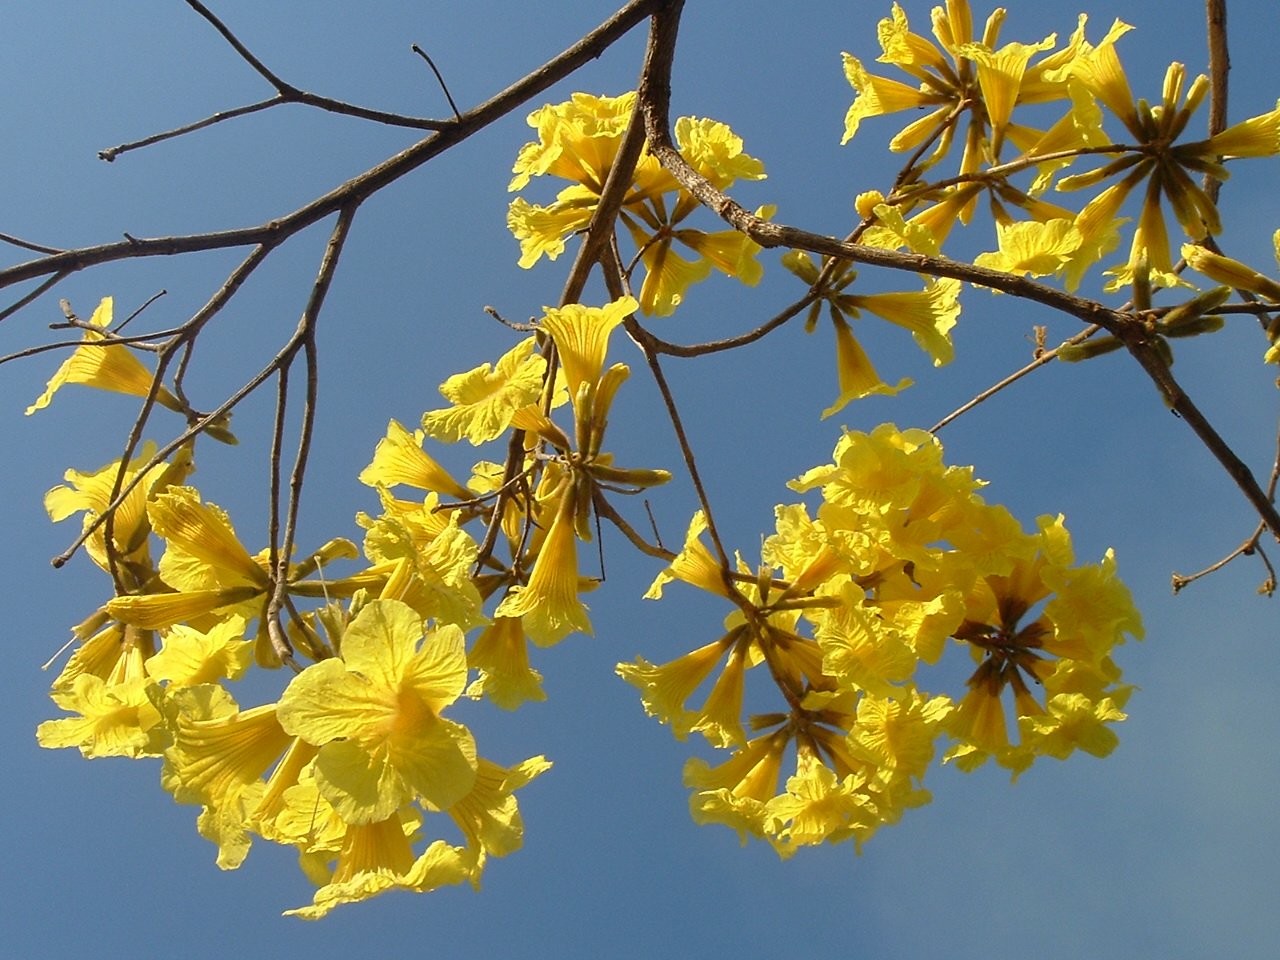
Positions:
{"x": 289, "y": 93}
{"x": 34, "y": 295}
{"x": 439, "y": 79}
{"x": 27, "y": 244}
{"x": 1046, "y": 357}
{"x": 304, "y": 339}
{"x": 605, "y": 509}
{"x": 111, "y": 153}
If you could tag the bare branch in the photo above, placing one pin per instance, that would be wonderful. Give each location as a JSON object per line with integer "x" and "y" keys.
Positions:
{"x": 273, "y": 232}
{"x": 288, "y": 93}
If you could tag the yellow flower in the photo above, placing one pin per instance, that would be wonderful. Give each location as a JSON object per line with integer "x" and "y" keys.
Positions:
{"x": 1231, "y": 272}
{"x": 548, "y": 604}
{"x": 375, "y": 714}
{"x": 377, "y": 857}
{"x": 818, "y": 806}
{"x": 501, "y": 654}
{"x": 1169, "y": 167}
{"x": 488, "y": 816}
{"x": 581, "y": 336}
{"x": 115, "y": 653}
{"x": 542, "y": 230}
{"x": 399, "y": 458}
{"x": 201, "y": 547}
{"x": 736, "y": 791}
{"x": 857, "y": 377}
{"x": 929, "y": 314}
{"x": 859, "y": 649}
{"x": 578, "y": 140}
{"x": 693, "y": 564}
{"x": 1087, "y": 613}
{"x": 719, "y": 720}
{"x": 115, "y": 719}
{"x": 897, "y": 734}
{"x": 715, "y": 151}
{"x": 190, "y": 657}
{"x": 1256, "y": 137}
{"x": 484, "y": 399}
{"x": 957, "y": 78}
{"x": 1098, "y": 68}
{"x": 1072, "y": 721}
{"x": 218, "y": 757}
{"x": 426, "y": 561}
{"x": 115, "y": 367}
{"x": 665, "y": 688}
{"x": 1034, "y": 249}
{"x": 130, "y": 526}
{"x": 877, "y": 96}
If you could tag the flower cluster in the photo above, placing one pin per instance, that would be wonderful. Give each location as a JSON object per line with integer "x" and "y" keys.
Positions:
{"x": 578, "y": 141}
{"x": 358, "y": 750}
{"x": 990, "y": 91}
{"x": 903, "y": 571}
{"x": 895, "y": 617}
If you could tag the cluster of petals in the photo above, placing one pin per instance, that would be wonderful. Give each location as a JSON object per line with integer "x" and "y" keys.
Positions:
{"x": 578, "y": 141}
{"x": 904, "y": 565}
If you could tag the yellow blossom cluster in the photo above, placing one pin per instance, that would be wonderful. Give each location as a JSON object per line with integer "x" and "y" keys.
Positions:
{"x": 855, "y": 615}
{"x": 357, "y": 749}
{"x": 990, "y": 95}
{"x": 895, "y": 617}
{"x": 579, "y": 141}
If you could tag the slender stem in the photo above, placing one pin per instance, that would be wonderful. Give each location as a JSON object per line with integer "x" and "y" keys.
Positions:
{"x": 304, "y": 340}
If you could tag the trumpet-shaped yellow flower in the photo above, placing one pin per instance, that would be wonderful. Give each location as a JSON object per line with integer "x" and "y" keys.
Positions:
{"x": 115, "y": 653}
{"x": 897, "y": 734}
{"x": 218, "y": 758}
{"x": 856, "y": 376}
{"x": 399, "y": 458}
{"x": 929, "y": 314}
{"x": 130, "y": 526}
{"x": 581, "y": 335}
{"x": 548, "y": 604}
{"x": 665, "y": 688}
{"x": 428, "y": 570}
{"x": 1230, "y": 271}
{"x": 501, "y": 654}
{"x": 819, "y": 806}
{"x": 860, "y": 649}
{"x": 111, "y": 367}
{"x": 735, "y": 792}
{"x": 201, "y": 547}
{"x": 578, "y": 140}
{"x": 960, "y": 81}
{"x": 693, "y": 564}
{"x": 375, "y": 715}
{"x": 489, "y": 816}
{"x": 716, "y": 152}
{"x": 1072, "y": 721}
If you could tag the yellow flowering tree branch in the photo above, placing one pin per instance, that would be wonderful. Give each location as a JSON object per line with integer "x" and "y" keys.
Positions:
{"x": 886, "y": 563}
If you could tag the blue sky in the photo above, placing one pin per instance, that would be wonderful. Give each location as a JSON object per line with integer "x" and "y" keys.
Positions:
{"x": 1167, "y": 848}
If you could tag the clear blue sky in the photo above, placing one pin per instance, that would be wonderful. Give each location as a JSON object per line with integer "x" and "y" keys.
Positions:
{"x": 1168, "y": 848}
